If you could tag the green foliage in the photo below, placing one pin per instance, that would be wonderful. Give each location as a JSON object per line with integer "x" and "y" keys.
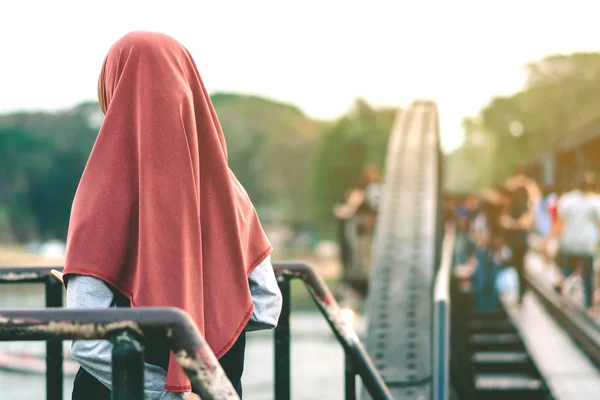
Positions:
{"x": 24, "y": 158}
{"x": 46, "y": 153}
{"x": 559, "y": 99}
{"x": 344, "y": 147}
{"x": 272, "y": 149}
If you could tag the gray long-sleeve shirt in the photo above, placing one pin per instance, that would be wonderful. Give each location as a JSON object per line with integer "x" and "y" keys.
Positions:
{"x": 95, "y": 356}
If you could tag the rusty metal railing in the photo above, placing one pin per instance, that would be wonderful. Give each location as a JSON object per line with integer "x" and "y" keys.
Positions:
{"x": 54, "y": 298}
{"x": 126, "y": 327}
{"x": 357, "y": 361}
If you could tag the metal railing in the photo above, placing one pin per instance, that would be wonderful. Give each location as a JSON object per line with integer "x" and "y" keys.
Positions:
{"x": 441, "y": 318}
{"x": 54, "y": 298}
{"x": 583, "y": 329}
{"x": 357, "y": 361}
{"x": 125, "y": 328}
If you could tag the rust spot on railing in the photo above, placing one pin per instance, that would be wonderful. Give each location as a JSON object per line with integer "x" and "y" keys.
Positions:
{"x": 18, "y": 276}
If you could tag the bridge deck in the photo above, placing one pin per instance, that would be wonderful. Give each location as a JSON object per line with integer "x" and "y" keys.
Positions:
{"x": 568, "y": 373}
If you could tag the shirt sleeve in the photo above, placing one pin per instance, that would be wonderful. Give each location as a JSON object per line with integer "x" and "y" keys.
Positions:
{"x": 95, "y": 356}
{"x": 266, "y": 297}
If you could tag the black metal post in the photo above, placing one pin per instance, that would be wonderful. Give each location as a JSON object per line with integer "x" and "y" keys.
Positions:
{"x": 441, "y": 356}
{"x": 344, "y": 333}
{"x": 198, "y": 361}
{"x": 54, "y": 350}
{"x": 128, "y": 367}
{"x": 283, "y": 344}
{"x": 350, "y": 377}
{"x": 345, "y": 251}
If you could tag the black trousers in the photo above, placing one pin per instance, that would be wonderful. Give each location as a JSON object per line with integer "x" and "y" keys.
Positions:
{"x": 86, "y": 387}
{"x": 519, "y": 250}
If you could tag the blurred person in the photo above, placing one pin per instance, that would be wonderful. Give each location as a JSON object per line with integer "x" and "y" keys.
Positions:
{"x": 517, "y": 221}
{"x": 545, "y": 211}
{"x": 521, "y": 179}
{"x": 448, "y": 206}
{"x": 472, "y": 205}
{"x": 577, "y": 230}
{"x": 553, "y": 210}
{"x": 365, "y": 195}
{"x": 160, "y": 220}
{"x": 486, "y": 216}
{"x": 542, "y": 207}
{"x": 595, "y": 196}
{"x": 487, "y": 257}
{"x": 360, "y": 213}
{"x": 463, "y": 244}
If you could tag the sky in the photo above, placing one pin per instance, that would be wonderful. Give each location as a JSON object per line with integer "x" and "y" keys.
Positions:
{"x": 317, "y": 54}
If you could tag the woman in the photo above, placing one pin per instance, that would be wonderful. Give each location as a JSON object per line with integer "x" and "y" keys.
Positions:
{"x": 159, "y": 219}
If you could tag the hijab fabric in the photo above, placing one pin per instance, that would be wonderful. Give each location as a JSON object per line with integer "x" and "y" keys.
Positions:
{"x": 158, "y": 214}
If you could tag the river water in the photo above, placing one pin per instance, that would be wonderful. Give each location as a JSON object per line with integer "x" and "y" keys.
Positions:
{"x": 317, "y": 359}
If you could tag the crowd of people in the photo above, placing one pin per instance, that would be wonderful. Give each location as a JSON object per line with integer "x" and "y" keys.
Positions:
{"x": 496, "y": 229}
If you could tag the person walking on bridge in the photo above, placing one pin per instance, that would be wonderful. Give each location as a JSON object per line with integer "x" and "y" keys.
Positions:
{"x": 159, "y": 219}
{"x": 360, "y": 214}
{"x": 578, "y": 235}
{"x": 517, "y": 222}
{"x": 486, "y": 235}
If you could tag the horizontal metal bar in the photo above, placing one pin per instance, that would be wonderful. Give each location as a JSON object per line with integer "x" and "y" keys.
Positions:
{"x": 304, "y": 271}
{"x": 308, "y": 275}
{"x": 189, "y": 347}
{"x": 26, "y": 274}
{"x": 96, "y": 322}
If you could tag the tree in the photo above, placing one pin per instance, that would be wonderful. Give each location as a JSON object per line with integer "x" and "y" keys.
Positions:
{"x": 23, "y": 158}
{"x": 42, "y": 156}
{"x": 561, "y": 96}
{"x": 270, "y": 146}
{"x": 344, "y": 147}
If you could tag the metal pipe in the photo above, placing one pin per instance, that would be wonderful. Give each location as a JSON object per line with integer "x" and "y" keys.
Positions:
{"x": 350, "y": 380}
{"x": 54, "y": 350}
{"x": 283, "y": 344}
{"x": 127, "y": 367}
{"x": 441, "y": 352}
{"x": 14, "y": 275}
{"x": 344, "y": 333}
{"x": 441, "y": 318}
{"x": 192, "y": 345}
{"x": 189, "y": 347}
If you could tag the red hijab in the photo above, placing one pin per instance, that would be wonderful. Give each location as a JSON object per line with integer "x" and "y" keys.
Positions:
{"x": 158, "y": 214}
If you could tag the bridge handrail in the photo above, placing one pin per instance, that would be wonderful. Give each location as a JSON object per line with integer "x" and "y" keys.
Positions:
{"x": 441, "y": 318}
{"x": 583, "y": 329}
{"x": 357, "y": 359}
{"x": 191, "y": 350}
